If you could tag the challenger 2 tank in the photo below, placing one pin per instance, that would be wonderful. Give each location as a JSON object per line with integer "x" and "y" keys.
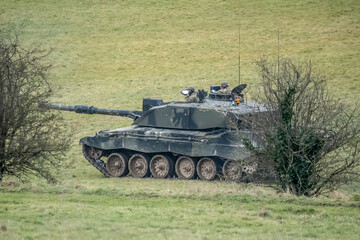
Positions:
{"x": 176, "y": 139}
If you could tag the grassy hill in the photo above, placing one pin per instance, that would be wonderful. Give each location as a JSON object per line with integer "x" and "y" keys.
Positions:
{"x": 114, "y": 53}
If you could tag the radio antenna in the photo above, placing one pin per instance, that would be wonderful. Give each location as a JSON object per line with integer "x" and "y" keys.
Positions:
{"x": 239, "y": 55}
{"x": 278, "y": 51}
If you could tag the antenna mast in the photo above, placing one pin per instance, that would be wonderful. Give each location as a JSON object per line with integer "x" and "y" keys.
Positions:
{"x": 239, "y": 54}
{"x": 278, "y": 51}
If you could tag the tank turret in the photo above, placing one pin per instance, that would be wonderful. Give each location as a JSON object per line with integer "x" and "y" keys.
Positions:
{"x": 191, "y": 139}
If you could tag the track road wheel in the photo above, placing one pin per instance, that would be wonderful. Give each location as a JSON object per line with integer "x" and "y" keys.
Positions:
{"x": 185, "y": 167}
{"x": 161, "y": 166}
{"x": 232, "y": 170}
{"x": 206, "y": 169}
{"x": 139, "y": 165}
{"x": 92, "y": 152}
{"x": 117, "y": 165}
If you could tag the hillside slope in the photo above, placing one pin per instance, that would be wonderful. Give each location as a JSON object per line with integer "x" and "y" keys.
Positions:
{"x": 114, "y": 53}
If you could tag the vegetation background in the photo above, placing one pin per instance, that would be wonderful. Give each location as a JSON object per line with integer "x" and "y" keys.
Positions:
{"x": 114, "y": 53}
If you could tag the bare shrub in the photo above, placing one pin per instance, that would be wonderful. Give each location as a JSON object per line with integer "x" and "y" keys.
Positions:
{"x": 310, "y": 139}
{"x": 32, "y": 141}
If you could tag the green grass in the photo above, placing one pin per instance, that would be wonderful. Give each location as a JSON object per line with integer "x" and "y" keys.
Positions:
{"x": 114, "y": 53}
{"x": 170, "y": 209}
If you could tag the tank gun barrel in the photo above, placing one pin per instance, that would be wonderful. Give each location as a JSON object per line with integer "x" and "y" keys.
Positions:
{"x": 86, "y": 109}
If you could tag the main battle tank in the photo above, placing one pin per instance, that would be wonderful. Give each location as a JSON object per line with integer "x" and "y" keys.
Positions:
{"x": 187, "y": 139}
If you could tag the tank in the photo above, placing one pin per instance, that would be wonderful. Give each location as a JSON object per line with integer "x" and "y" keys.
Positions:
{"x": 176, "y": 139}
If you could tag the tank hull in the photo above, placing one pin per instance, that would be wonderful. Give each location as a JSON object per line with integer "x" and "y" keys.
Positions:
{"x": 222, "y": 143}
{"x": 188, "y": 153}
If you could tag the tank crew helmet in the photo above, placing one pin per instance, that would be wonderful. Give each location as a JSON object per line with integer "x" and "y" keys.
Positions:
{"x": 191, "y": 89}
{"x": 224, "y": 85}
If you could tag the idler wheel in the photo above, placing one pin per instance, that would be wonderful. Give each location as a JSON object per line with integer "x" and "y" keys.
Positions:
{"x": 206, "y": 169}
{"x": 92, "y": 152}
{"x": 161, "y": 166}
{"x": 232, "y": 170}
{"x": 139, "y": 165}
{"x": 116, "y": 165}
{"x": 185, "y": 167}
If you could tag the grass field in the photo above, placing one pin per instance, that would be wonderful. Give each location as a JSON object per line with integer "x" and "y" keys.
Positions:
{"x": 114, "y": 53}
{"x": 170, "y": 209}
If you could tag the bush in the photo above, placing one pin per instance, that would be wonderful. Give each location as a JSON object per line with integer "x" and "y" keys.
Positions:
{"x": 309, "y": 138}
{"x": 32, "y": 141}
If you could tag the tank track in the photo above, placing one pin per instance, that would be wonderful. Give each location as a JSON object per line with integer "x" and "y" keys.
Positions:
{"x": 248, "y": 168}
{"x": 97, "y": 163}
{"x": 100, "y": 165}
